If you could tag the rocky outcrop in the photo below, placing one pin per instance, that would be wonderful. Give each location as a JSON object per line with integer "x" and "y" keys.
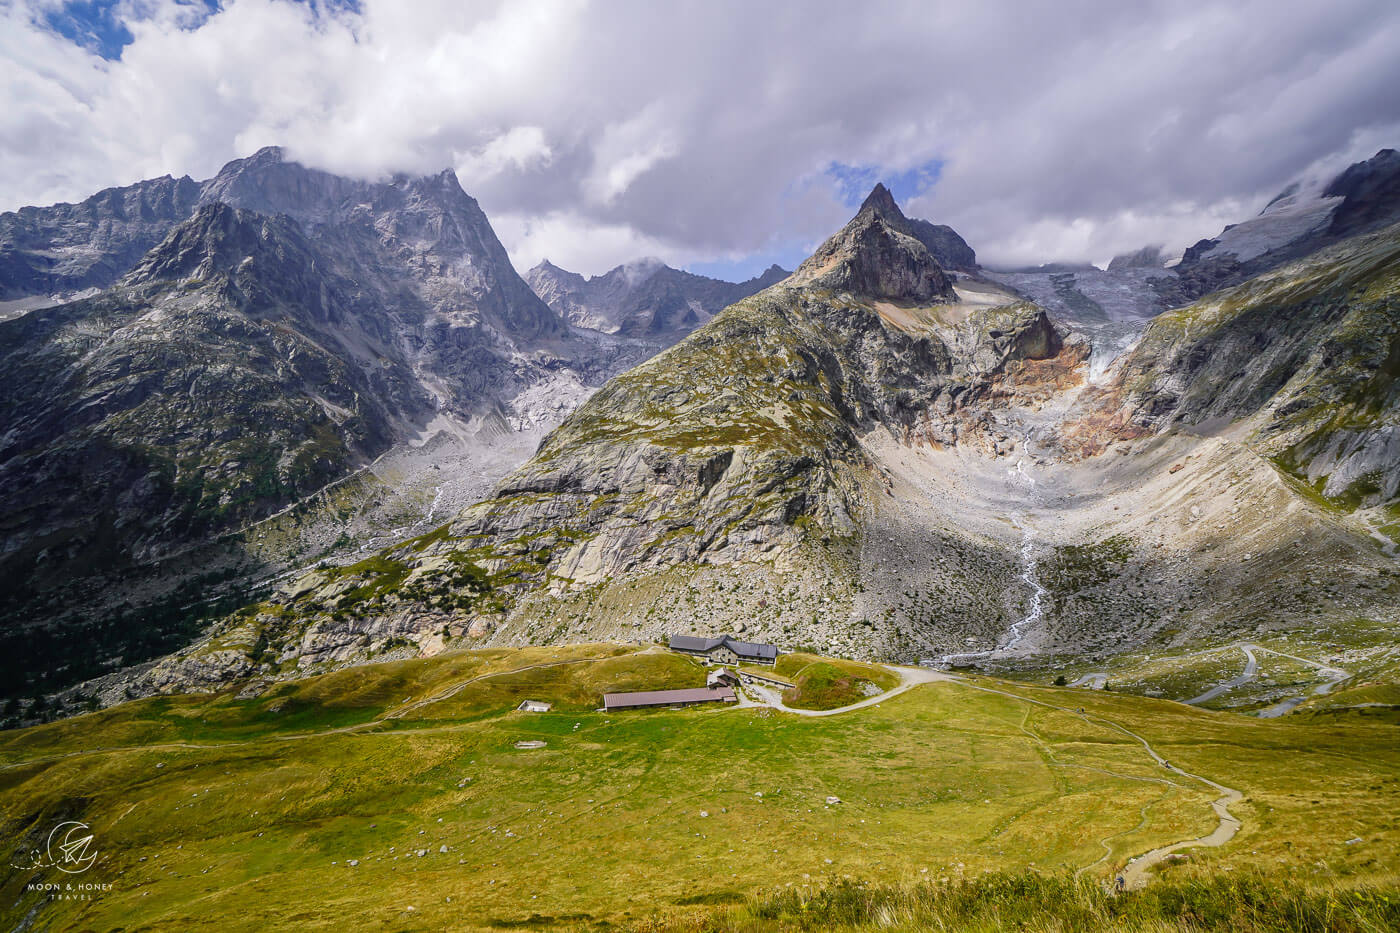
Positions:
{"x": 944, "y": 244}
{"x": 642, "y": 299}
{"x": 1370, "y": 193}
{"x": 737, "y": 452}
{"x": 1149, "y": 257}
{"x": 421, "y": 246}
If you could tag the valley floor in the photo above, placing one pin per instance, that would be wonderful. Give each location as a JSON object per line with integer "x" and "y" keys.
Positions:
{"x": 395, "y": 795}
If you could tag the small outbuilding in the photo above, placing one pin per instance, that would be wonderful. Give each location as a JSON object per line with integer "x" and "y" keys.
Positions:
{"x": 721, "y": 677}
{"x": 534, "y": 706}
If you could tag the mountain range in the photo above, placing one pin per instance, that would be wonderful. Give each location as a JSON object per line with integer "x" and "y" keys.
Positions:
{"x": 880, "y": 457}
{"x": 642, "y": 299}
{"x": 330, "y": 389}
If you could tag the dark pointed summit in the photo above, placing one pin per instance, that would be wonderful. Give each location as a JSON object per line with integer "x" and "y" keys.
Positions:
{"x": 881, "y": 202}
{"x": 877, "y": 255}
{"x": 951, "y": 250}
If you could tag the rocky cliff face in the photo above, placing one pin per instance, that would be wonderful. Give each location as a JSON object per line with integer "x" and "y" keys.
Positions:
{"x": 422, "y": 245}
{"x": 225, "y": 376}
{"x": 874, "y": 257}
{"x": 642, "y": 299}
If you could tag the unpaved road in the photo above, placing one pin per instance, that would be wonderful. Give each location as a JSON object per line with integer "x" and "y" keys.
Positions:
{"x": 1251, "y": 667}
{"x": 1333, "y": 676}
{"x": 1135, "y": 874}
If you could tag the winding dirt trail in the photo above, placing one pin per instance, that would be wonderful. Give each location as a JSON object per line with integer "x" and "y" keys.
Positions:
{"x": 1135, "y": 873}
{"x": 1332, "y": 676}
{"x": 1251, "y": 667}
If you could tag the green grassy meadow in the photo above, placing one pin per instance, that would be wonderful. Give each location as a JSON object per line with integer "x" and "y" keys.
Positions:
{"x": 214, "y": 812}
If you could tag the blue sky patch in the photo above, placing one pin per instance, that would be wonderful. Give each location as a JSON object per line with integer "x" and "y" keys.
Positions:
{"x": 788, "y": 255}
{"x": 92, "y": 24}
{"x": 99, "y": 27}
{"x": 855, "y": 181}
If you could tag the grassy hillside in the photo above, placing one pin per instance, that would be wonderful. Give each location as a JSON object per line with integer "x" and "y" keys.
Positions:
{"x": 245, "y": 814}
{"x": 828, "y": 684}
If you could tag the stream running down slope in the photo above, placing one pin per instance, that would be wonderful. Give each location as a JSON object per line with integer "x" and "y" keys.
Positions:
{"x": 1011, "y": 644}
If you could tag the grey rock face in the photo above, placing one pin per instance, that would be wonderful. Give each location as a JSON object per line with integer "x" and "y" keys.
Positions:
{"x": 1149, "y": 257}
{"x": 948, "y": 249}
{"x": 740, "y": 447}
{"x": 421, "y": 244}
{"x": 227, "y": 375}
{"x": 943, "y": 243}
{"x": 642, "y": 299}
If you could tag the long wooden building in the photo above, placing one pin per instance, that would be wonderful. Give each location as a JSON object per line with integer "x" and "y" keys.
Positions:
{"x": 690, "y": 696}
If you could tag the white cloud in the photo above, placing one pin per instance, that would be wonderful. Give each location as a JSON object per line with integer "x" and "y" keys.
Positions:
{"x": 624, "y": 151}
{"x": 517, "y": 149}
{"x": 576, "y": 242}
{"x": 603, "y": 131}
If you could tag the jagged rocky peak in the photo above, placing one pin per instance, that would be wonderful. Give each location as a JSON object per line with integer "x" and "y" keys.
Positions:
{"x": 771, "y": 276}
{"x": 268, "y": 182}
{"x": 643, "y": 298}
{"x": 428, "y": 220}
{"x": 872, "y": 256}
{"x": 69, "y": 247}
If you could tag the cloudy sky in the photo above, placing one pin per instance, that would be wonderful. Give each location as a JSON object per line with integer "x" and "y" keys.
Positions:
{"x": 722, "y": 136}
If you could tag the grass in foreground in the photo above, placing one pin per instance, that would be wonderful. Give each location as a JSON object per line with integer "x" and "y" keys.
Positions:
{"x": 1254, "y": 903}
{"x": 232, "y": 814}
